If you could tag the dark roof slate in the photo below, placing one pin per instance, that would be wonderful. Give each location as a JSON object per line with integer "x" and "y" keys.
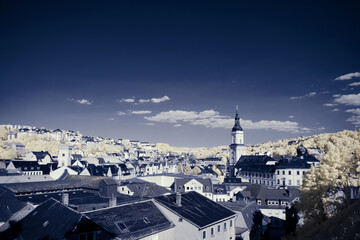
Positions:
{"x": 140, "y": 219}
{"x": 51, "y": 220}
{"x": 196, "y": 208}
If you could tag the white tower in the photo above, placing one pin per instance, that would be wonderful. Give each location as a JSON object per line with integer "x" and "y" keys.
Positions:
{"x": 64, "y": 157}
{"x": 237, "y": 146}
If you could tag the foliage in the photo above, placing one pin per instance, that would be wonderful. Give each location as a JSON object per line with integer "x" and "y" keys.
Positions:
{"x": 256, "y": 229}
{"x": 196, "y": 170}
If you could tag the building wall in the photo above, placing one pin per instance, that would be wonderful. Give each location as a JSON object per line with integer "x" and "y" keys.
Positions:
{"x": 293, "y": 179}
{"x": 279, "y": 213}
{"x": 168, "y": 234}
{"x": 64, "y": 157}
{"x": 163, "y": 181}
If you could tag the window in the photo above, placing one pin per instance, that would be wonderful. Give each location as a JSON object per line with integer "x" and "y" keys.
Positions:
{"x": 289, "y": 182}
{"x": 289, "y": 172}
{"x": 278, "y": 181}
{"x": 121, "y": 225}
{"x": 146, "y": 220}
{"x": 212, "y": 231}
{"x": 298, "y": 172}
{"x": 298, "y": 182}
{"x": 204, "y": 234}
{"x": 224, "y": 226}
{"x": 278, "y": 172}
{"x": 230, "y": 223}
{"x": 187, "y": 188}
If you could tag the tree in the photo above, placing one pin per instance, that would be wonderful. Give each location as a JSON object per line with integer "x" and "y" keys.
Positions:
{"x": 196, "y": 170}
{"x": 291, "y": 221}
{"x": 4, "y": 132}
{"x": 256, "y": 229}
{"x": 180, "y": 168}
{"x": 187, "y": 169}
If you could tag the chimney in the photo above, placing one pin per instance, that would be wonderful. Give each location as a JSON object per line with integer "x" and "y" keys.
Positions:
{"x": 112, "y": 201}
{"x": 65, "y": 199}
{"x": 178, "y": 199}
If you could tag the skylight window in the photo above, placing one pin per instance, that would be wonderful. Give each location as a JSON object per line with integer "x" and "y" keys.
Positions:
{"x": 122, "y": 227}
{"x": 146, "y": 220}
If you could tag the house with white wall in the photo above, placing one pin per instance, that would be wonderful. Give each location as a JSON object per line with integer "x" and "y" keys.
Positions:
{"x": 197, "y": 217}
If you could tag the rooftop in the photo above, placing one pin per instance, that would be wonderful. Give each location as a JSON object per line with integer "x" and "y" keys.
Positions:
{"x": 196, "y": 208}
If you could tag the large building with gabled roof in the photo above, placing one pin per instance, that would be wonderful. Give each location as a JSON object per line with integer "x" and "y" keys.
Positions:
{"x": 197, "y": 217}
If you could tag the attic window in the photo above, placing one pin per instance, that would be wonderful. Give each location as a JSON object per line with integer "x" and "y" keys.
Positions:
{"x": 45, "y": 223}
{"x": 146, "y": 220}
{"x": 122, "y": 227}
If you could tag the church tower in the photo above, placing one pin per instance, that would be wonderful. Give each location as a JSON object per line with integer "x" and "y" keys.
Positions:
{"x": 237, "y": 146}
{"x": 64, "y": 157}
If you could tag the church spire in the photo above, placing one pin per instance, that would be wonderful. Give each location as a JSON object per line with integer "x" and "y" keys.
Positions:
{"x": 237, "y": 126}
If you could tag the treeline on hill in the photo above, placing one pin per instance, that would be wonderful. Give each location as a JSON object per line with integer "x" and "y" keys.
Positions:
{"x": 325, "y": 193}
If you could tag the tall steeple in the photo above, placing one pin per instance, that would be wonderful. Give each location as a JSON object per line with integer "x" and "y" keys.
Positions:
{"x": 237, "y": 126}
{"x": 237, "y": 146}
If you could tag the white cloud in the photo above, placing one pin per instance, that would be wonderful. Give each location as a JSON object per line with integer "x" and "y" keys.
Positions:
{"x": 306, "y": 130}
{"x": 354, "y": 120}
{"x": 119, "y": 113}
{"x": 355, "y": 111}
{"x": 354, "y": 84}
{"x": 330, "y": 104}
{"x": 144, "y": 100}
{"x": 154, "y": 100}
{"x": 141, "y": 112}
{"x": 336, "y": 95}
{"x": 158, "y": 100}
{"x": 335, "y": 110}
{"x": 322, "y": 128}
{"x": 291, "y": 116}
{"x": 111, "y": 119}
{"x": 150, "y": 124}
{"x": 177, "y": 125}
{"x": 350, "y": 99}
{"x": 80, "y": 101}
{"x": 348, "y": 76}
{"x": 212, "y": 119}
{"x": 312, "y": 94}
{"x": 127, "y": 100}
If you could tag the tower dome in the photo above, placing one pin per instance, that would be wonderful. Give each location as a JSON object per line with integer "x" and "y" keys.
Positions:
{"x": 237, "y": 126}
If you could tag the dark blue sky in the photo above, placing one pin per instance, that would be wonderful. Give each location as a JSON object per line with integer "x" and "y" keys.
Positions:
{"x": 173, "y": 71}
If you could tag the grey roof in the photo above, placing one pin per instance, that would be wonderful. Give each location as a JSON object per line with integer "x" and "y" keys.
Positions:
{"x": 52, "y": 220}
{"x": 41, "y": 155}
{"x": 76, "y": 198}
{"x": 219, "y": 189}
{"x": 8, "y": 204}
{"x": 196, "y": 208}
{"x": 132, "y": 221}
{"x": 246, "y": 160}
{"x": 246, "y": 209}
{"x": 259, "y": 192}
{"x": 293, "y": 163}
{"x": 71, "y": 182}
